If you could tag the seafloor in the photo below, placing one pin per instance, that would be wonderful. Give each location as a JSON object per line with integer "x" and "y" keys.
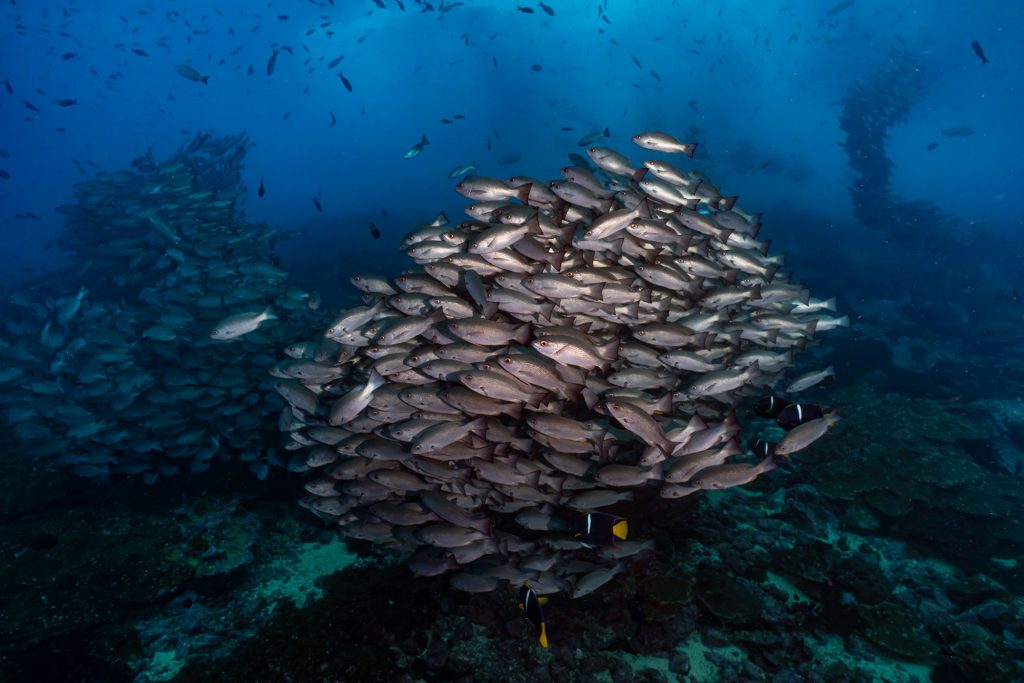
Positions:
{"x": 892, "y": 550}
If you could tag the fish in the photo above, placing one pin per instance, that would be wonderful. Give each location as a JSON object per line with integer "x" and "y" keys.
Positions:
{"x": 345, "y": 82}
{"x": 599, "y": 528}
{"x": 374, "y": 231}
{"x": 958, "y": 132}
{"x": 417, "y": 149}
{"x": 591, "y": 138}
{"x": 262, "y": 190}
{"x": 67, "y": 103}
{"x": 240, "y": 324}
{"x": 803, "y": 435}
{"x": 335, "y": 62}
{"x": 525, "y": 10}
{"x": 662, "y": 142}
{"x": 976, "y": 46}
{"x": 810, "y": 379}
{"x": 186, "y": 71}
{"x": 531, "y": 605}
{"x": 728, "y": 476}
{"x": 272, "y": 63}
{"x": 796, "y": 414}
{"x": 770, "y": 406}
{"x": 547, "y": 10}
{"x": 463, "y": 170}
{"x": 931, "y": 146}
{"x": 319, "y": 207}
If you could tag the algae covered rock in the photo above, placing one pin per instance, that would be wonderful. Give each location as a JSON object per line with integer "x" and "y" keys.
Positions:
{"x": 898, "y": 630}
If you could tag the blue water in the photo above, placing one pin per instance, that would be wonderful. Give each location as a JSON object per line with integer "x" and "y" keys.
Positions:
{"x": 764, "y": 81}
{"x": 827, "y": 118}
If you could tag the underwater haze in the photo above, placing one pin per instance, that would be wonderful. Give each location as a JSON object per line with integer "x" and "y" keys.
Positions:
{"x": 396, "y": 340}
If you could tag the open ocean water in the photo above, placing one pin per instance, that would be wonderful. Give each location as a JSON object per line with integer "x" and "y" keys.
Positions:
{"x": 399, "y": 341}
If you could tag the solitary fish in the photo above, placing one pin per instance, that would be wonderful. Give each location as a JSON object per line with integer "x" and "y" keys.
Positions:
{"x": 240, "y": 324}
{"x": 463, "y": 170}
{"x": 375, "y": 231}
{"x": 591, "y": 138}
{"x": 272, "y": 63}
{"x": 976, "y": 46}
{"x": 663, "y": 142}
{"x": 191, "y": 74}
{"x": 417, "y": 149}
{"x": 262, "y": 191}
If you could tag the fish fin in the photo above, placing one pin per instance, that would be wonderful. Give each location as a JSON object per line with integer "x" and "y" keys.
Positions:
{"x": 523, "y": 193}
{"x": 542, "y": 600}
{"x": 522, "y": 335}
{"x": 755, "y": 292}
{"x": 424, "y": 140}
{"x": 726, "y": 203}
{"x": 769, "y": 273}
{"x": 609, "y": 351}
{"x": 269, "y": 313}
{"x": 543, "y": 635}
{"x": 621, "y": 530}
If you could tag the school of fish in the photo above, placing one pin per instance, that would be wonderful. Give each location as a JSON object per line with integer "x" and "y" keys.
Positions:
{"x": 157, "y": 364}
{"x": 571, "y": 347}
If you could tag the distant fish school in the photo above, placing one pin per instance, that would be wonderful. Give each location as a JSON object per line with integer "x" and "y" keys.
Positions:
{"x": 571, "y": 343}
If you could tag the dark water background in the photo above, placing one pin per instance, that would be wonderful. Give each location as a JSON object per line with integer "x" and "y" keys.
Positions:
{"x": 819, "y": 115}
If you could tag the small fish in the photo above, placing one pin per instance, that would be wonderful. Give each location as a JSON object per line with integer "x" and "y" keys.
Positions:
{"x": 68, "y": 55}
{"x": 550, "y": 12}
{"x": 599, "y": 528}
{"x": 67, "y": 103}
{"x": 8, "y": 87}
{"x": 345, "y": 82}
{"x": 316, "y": 203}
{"x": 272, "y": 63}
{"x": 531, "y": 604}
{"x": 976, "y": 46}
{"x": 141, "y": 53}
{"x": 796, "y": 414}
{"x": 334, "y": 62}
{"x": 809, "y": 379}
{"x": 770, "y": 406}
{"x": 375, "y": 231}
{"x": 537, "y": 67}
{"x": 235, "y": 326}
{"x": 591, "y": 138}
{"x": 262, "y": 191}
{"x": 30, "y": 106}
{"x": 417, "y": 149}
{"x": 525, "y": 10}
{"x": 191, "y": 74}
{"x": 931, "y": 146}
{"x": 762, "y": 448}
{"x": 958, "y": 132}
{"x": 463, "y": 170}
{"x": 334, "y": 120}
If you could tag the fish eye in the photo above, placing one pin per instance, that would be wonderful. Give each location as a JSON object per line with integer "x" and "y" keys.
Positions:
{"x": 542, "y": 342}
